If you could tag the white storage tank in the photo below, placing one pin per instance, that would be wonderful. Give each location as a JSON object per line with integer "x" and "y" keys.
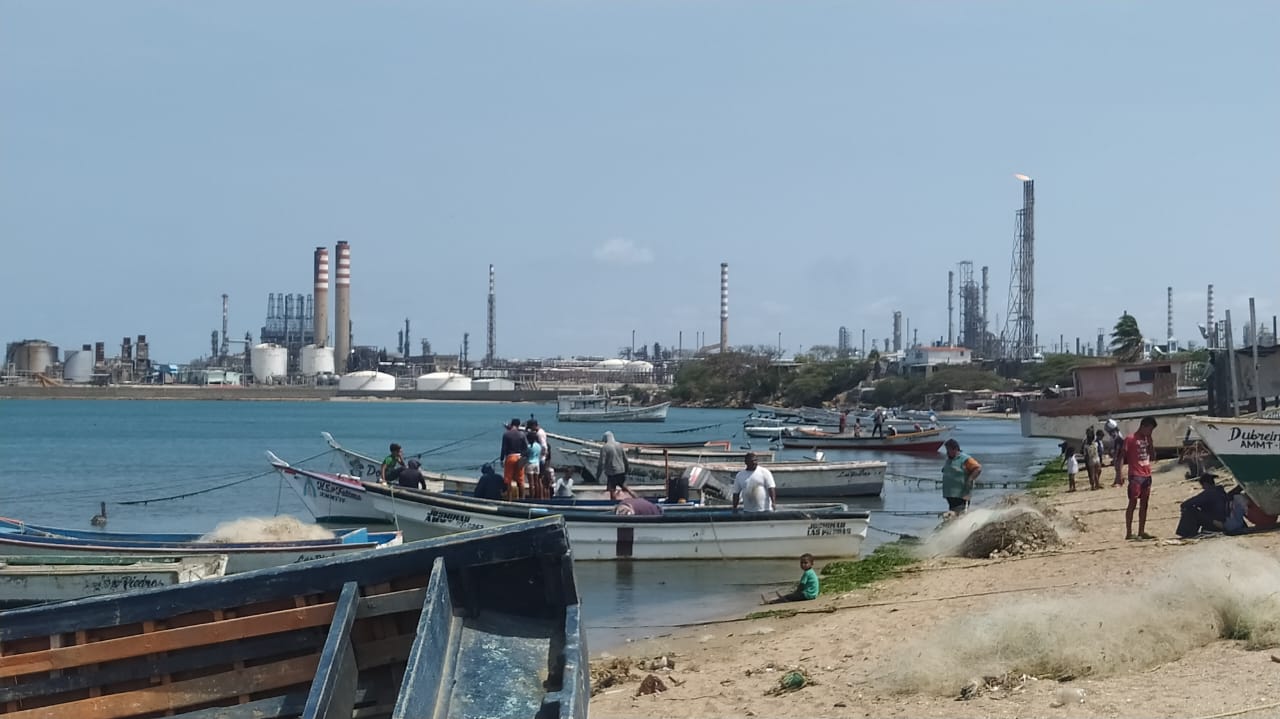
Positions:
{"x": 493, "y": 384}
{"x": 639, "y": 367}
{"x": 269, "y": 362}
{"x": 316, "y": 360}
{"x": 78, "y": 366}
{"x": 367, "y": 381}
{"x": 614, "y": 363}
{"x": 443, "y": 382}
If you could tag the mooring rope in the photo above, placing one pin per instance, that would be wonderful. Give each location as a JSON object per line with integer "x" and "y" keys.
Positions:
{"x": 693, "y": 429}
{"x": 206, "y": 490}
{"x": 441, "y": 448}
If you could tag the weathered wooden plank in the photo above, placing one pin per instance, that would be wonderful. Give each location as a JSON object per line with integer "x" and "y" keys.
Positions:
{"x": 177, "y": 695}
{"x": 333, "y": 690}
{"x": 428, "y": 677}
{"x": 174, "y": 663}
{"x": 541, "y": 536}
{"x": 166, "y": 640}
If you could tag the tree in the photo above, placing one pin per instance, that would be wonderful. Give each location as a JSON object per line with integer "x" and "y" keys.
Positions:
{"x": 1126, "y": 339}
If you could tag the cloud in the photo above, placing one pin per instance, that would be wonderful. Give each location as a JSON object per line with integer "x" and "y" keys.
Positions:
{"x": 621, "y": 251}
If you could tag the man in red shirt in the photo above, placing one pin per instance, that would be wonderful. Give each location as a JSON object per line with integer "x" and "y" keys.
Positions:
{"x": 1138, "y": 453}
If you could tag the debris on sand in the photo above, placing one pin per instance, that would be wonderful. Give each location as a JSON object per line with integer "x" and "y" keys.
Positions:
{"x": 1021, "y": 531}
{"x": 651, "y": 684}
{"x": 996, "y": 686}
{"x": 609, "y": 672}
{"x": 791, "y": 681}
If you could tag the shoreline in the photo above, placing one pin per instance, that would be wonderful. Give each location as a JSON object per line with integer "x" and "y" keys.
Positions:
{"x": 855, "y": 647}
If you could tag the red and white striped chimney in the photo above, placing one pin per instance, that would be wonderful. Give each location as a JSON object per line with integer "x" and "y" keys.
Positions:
{"x": 321, "y": 292}
{"x": 342, "y": 308}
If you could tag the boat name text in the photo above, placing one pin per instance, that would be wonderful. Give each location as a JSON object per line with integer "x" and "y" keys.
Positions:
{"x": 1253, "y": 439}
{"x": 437, "y": 516}
{"x": 826, "y": 529}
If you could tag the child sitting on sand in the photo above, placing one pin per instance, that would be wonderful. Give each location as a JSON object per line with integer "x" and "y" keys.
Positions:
{"x": 806, "y": 588}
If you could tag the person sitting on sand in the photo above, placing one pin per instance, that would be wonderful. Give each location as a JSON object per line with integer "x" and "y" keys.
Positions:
{"x": 1205, "y": 512}
{"x": 806, "y": 588}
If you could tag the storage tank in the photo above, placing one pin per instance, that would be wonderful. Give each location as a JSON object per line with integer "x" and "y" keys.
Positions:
{"x": 493, "y": 384}
{"x": 443, "y": 382}
{"x": 34, "y": 356}
{"x": 78, "y": 366}
{"x": 367, "y": 381}
{"x": 316, "y": 360}
{"x": 613, "y": 363}
{"x": 639, "y": 367}
{"x": 269, "y": 362}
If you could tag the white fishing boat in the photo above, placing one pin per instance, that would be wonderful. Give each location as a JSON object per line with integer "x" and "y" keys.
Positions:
{"x": 926, "y": 440}
{"x": 35, "y": 580}
{"x": 689, "y": 533}
{"x": 603, "y": 407}
{"x": 797, "y": 478}
{"x": 1250, "y": 448}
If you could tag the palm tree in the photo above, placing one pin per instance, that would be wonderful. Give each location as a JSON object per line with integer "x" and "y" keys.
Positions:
{"x": 1126, "y": 339}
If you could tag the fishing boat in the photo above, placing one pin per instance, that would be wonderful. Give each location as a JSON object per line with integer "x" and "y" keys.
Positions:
{"x": 689, "y": 533}
{"x": 32, "y": 540}
{"x": 603, "y": 407}
{"x": 706, "y": 451}
{"x": 428, "y": 629}
{"x": 926, "y": 440}
{"x": 35, "y": 580}
{"x": 338, "y": 504}
{"x": 795, "y": 478}
{"x": 1250, "y": 448}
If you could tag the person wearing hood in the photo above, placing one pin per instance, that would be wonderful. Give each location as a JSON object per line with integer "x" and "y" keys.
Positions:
{"x": 412, "y": 476}
{"x": 613, "y": 466}
{"x": 490, "y": 484}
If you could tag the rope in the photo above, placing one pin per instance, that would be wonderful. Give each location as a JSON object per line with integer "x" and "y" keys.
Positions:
{"x": 447, "y": 445}
{"x": 904, "y": 535}
{"x": 1238, "y": 712}
{"x": 184, "y": 495}
{"x": 692, "y": 429}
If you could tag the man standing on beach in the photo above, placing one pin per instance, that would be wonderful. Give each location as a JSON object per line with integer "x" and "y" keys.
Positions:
{"x": 754, "y": 487}
{"x": 1138, "y": 453}
{"x": 959, "y": 473}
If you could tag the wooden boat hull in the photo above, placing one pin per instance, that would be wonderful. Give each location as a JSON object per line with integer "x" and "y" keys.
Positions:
{"x": 1250, "y": 448}
{"x": 677, "y": 534}
{"x": 928, "y": 440}
{"x": 426, "y": 629}
{"x": 28, "y": 540}
{"x": 652, "y": 413}
{"x": 36, "y": 580}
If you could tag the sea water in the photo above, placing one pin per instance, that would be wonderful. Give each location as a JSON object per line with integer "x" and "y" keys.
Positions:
{"x": 169, "y": 466}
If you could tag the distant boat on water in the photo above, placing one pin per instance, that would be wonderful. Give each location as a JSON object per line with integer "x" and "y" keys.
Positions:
{"x": 603, "y": 407}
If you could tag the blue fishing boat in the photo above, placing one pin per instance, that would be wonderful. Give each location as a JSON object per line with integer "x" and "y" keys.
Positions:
{"x": 484, "y": 624}
{"x": 33, "y": 540}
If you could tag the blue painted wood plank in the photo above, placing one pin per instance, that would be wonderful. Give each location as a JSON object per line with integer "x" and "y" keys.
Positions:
{"x": 333, "y": 690}
{"x": 429, "y": 672}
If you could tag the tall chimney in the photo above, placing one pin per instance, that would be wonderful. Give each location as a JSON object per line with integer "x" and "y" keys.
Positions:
{"x": 1168, "y": 336}
{"x": 342, "y": 308}
{"x": 224, "y": 346}
{"x": 951, "y": 289}
{"x": 320, "y": 289}
{"x": 897, "y": 330}
{"x": 1209, "y": 326}
{"x": 491, "y": 337}
{"x": 982, "y": 341}
{"x": 724, "y": 307}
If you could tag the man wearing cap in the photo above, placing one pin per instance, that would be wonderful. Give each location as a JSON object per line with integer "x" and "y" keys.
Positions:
{"x": 959, "y": 473}
{"x": 1138, "y": 453}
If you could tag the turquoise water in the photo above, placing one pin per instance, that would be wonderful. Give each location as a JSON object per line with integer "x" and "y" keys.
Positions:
{"x": 61, "y": 458}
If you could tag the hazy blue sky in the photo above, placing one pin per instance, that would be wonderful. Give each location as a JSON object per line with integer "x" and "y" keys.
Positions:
{"x": 607, "y": 156}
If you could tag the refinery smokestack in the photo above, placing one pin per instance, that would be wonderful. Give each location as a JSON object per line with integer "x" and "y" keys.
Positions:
{"x": 342, "y": 308}
{"x": 951, "y": 290}
{"x": 897, "y": 331}
{"x": 321, "y": 291}
{"x": 492, "y": 336}
{"x": 224, "y": 346}
{"x": 1210, "y": 327}
{"x": 724, "y": 307}
{"x": 1168, "y": 336}
{"x": 982, "y": 341}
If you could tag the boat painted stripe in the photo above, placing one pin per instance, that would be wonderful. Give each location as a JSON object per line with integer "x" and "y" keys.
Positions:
{"x": 625, "y": 544}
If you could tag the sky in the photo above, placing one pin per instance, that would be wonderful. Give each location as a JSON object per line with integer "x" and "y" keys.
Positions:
{"x": 607, "y": 156}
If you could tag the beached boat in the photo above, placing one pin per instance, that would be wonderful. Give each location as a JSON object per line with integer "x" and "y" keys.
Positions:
{"x": 1250, "y": 448}
{"x": 600, "y": 407}
{"x": 687, "y": 533}
{"x": 32, "y": 540}
{"x": 798, "y": 478}
{"x": 333, "y": 501}
{"x": 484, "y": 624}
{"x": 927, "y": 440}
{"x": 35, "y": 580}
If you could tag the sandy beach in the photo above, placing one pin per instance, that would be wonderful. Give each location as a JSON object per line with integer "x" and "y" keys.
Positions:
{"x": 1106, "y": 627}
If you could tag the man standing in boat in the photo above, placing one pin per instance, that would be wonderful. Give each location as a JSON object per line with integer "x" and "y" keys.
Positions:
{"x": 959, "y": 473}
{"x": 754, "y": 487}
{"x": 613, "y": 466}
{"x": 514, "y": 447}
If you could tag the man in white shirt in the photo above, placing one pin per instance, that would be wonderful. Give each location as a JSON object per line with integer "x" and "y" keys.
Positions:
{"x": 754, "y": 487}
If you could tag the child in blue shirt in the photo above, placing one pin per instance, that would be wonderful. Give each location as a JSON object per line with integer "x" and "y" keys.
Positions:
{"x": 806, "y": 588}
